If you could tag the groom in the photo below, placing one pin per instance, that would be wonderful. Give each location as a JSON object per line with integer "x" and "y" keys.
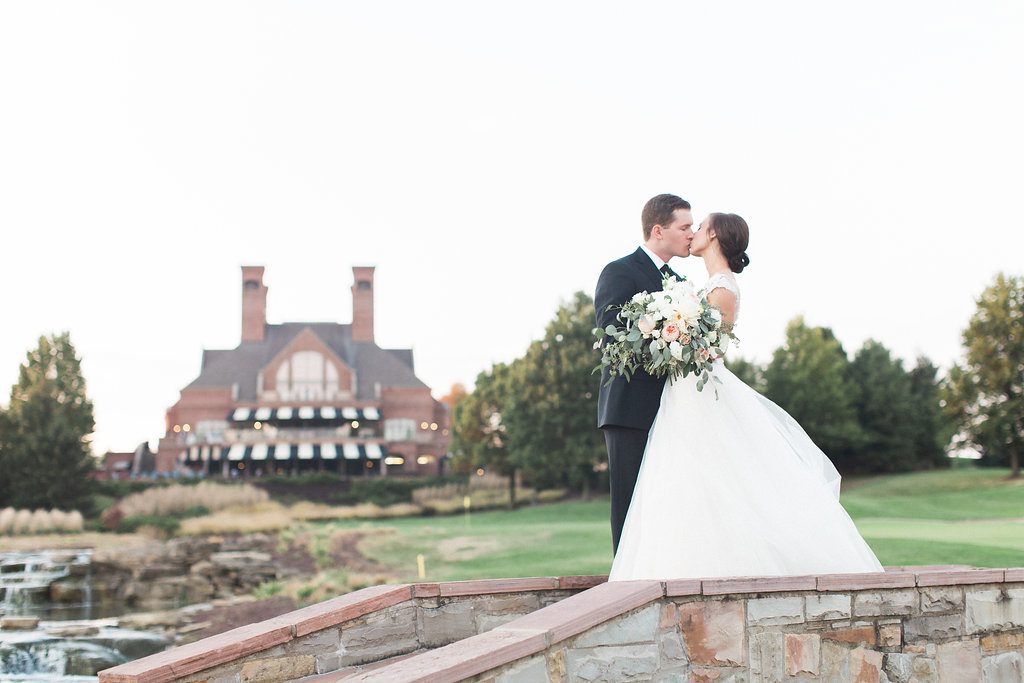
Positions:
{"x": 626, "y": 410}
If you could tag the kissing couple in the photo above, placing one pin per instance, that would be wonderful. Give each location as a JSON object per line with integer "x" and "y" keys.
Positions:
{"x": 710, "y": 484}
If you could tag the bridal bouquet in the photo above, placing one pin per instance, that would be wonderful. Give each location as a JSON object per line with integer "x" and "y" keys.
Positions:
{"x": 674, "y": 332}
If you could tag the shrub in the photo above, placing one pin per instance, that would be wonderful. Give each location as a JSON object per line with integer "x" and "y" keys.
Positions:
{"x": 167, "y": 500}
{"x": 266, "y": 516}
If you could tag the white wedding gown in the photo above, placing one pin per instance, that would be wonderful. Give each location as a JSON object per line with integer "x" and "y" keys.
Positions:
{"x": 733, "y": 486}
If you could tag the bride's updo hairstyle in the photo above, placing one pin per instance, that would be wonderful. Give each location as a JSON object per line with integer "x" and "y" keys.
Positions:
{"x": 733, "y": 235}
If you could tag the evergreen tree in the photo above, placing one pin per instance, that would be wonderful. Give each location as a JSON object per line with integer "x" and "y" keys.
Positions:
{"x": 929, "y": 432}
{"x": 45, "y": 454}
{"x": 884, "y": 404}
{"x": 809, "y": 378}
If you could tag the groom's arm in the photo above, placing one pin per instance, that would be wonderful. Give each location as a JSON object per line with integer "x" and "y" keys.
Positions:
{"x": 614, "y": 288}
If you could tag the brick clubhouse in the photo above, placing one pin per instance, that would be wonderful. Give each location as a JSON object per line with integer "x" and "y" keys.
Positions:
{"x": 306, "y": 396}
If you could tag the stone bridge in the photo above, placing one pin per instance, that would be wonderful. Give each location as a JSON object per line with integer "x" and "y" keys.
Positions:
{"x": 949, "y": 623}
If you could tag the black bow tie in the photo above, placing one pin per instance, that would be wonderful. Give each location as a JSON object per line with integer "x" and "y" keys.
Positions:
{"x": 666, "y": 271}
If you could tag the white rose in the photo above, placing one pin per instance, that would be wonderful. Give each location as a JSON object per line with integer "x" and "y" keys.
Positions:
{"x": 676, "y": 349}
{"x": 712, "y": 336}
{"x": 639, "y": 296}
{"x": 688, "y": 308}
{"x": 716, "y": 314}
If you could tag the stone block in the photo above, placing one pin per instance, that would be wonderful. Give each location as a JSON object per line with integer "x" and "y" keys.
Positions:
{"x": 994, "y": 610}
{"x": 613, "y": 663}
{"x": 1007, "y": 667}
{"x": 672, "y": 650}
{"x": 826, "y": 606}
{"x": 327, "y": 663}
{"x": 803, "y": 654}
{"x": 999, "y": 642}
{"x": 532, "y": 670}
{"x": 959, "y": 661}
{"x": 556, "y": 665}
{"x": 854, "y": 634}
{"x": 775, "y": 611}
{"x": 377, "y": 636}
{"x": 718, "y": 676}
{"x": 714, "y": 632}
{"x": 925, "y": 670}
{"x": 941, "y": 599}
{"x": 636, "y": 627}
{"x": 522, "y": 603}
{"x": 486, "y": 622}
{"x": 934, "y": 627}
{"x": 669, "y": 615}
{"x": 898, "y": 667}
{"x": 671, "y": 677}
{"x": 865, "y": 666}
{"x": 447, "y": 623}
{"x": 19, "y": 623}
{"x": 320, "y": 642}
{"x": 835, "y": 662}
{"x": 767, "y": 656}
{"x": 890, "y": 635}
{"x": 884, "y": 603}
{"x": 279, "y": 669}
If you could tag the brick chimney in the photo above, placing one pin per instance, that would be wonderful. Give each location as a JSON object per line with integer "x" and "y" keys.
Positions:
{"x": 362, "y": 303}
{"x": 254, "y": 304}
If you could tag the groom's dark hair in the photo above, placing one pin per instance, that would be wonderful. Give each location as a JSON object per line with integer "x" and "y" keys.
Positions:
{"x": 658, "y": 211}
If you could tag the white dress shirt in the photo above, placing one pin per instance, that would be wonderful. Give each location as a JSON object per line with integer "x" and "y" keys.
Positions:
{"x": 658, "y": 263}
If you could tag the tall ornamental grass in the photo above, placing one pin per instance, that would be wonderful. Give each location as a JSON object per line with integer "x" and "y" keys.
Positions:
{"x": 169, "y": 500}
{"x": 17, "y": 522}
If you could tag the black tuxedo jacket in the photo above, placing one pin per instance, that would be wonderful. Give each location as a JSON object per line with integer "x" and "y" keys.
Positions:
{"x": 621, "y": 403}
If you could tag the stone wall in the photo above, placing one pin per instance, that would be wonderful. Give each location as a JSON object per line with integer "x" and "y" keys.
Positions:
{"x": 905, "y": 625}
{"x": 348, "y": 633}
{"x": 956, "y": 627}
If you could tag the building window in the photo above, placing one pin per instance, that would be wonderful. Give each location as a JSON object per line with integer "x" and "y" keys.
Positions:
{"x": 399, "y": 429}
{"x": 307, "y": 376}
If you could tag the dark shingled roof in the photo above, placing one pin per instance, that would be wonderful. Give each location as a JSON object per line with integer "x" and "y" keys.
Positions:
{"x": 372, "y": 364}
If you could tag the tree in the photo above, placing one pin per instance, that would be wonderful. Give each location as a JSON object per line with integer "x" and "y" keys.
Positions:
{"x": 480, "y": 438}
{"x": 749, "y": 372}
{"x": 809, "y": 378}
{"x": 925, "y": 420}
{"x": 884, "y": 404}
{"x": 536, "y": 414}
{"x": 984, "y": 393}
{"x": 550, "y": 418}
{"x": 45, "y": 454}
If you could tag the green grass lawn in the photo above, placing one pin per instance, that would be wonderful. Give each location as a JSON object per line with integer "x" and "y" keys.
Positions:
{"x": 958, "y": 516}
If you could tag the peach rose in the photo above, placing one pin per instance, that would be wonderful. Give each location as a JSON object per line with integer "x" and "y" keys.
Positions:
{"x": 670, "y": 332}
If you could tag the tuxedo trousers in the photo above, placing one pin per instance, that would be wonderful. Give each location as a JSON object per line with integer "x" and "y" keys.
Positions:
{"x": 625, "y": 453}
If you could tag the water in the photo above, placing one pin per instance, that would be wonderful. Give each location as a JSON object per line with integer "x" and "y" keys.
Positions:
{"x": 51, "y": 652}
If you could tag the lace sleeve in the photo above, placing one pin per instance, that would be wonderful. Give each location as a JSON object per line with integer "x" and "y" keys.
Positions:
{"x": 721, "y": 281}
{"x": 724, "y": 281}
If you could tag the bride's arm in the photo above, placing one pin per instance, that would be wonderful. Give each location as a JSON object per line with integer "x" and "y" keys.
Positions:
{"x": 725, "y": 301}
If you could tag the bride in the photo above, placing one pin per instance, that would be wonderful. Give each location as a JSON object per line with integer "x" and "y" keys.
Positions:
{"x": 732, "y": 485}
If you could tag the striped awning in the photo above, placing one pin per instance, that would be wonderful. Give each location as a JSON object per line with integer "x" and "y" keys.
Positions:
{"x": 303, "y": 413}
{"x": 286, "y": 451}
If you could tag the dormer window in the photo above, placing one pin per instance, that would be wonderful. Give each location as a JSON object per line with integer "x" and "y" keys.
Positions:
{"x": 307, "y": 376}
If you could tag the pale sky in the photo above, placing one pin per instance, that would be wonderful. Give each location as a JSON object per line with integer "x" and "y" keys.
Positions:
{"x": 489, "y": 159}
